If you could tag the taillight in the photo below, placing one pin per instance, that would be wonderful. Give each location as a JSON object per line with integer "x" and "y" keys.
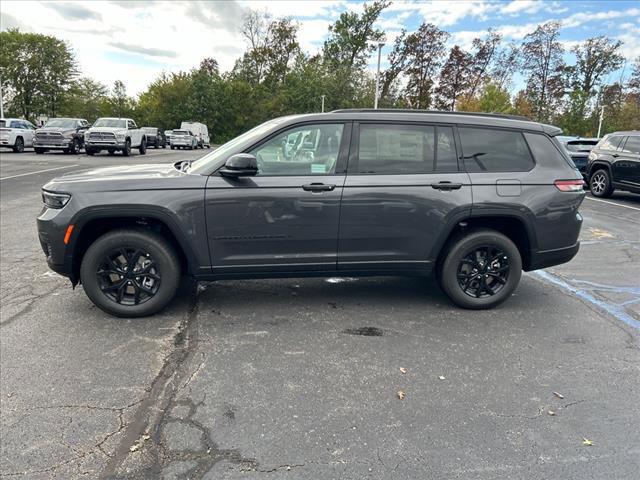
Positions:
{"x": 569, "y": 185}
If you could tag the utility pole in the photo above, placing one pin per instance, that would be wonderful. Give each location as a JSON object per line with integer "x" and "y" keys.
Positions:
{"x": 375, "y": 103}
{"x": 600, "y": 123}
{"x": 322, "y": 96}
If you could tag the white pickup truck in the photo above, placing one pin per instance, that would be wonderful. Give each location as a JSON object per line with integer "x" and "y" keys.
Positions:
{"x": 115, "y": 134}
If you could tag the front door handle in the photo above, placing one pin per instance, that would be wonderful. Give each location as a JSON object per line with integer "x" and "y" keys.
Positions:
{"x": 445, "y": 185}
{"x": 318, "y": 187}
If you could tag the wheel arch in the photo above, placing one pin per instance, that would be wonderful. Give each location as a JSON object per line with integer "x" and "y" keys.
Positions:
{"x": 599, "y": 165}
{"x": 90, "y": 225}
{"x": 514, "y": 226}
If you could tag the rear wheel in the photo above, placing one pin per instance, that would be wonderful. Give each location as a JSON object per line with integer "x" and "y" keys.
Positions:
{"x": 480, "y": 269}
{"x": 143, "y": 146}
{"x": 18, "y": 147}
{"x": 600, "y": 184}
{"x": 130, "y": 273}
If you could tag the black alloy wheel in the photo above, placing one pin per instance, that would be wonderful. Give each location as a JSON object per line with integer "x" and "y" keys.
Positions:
{"x": 483, "y": 272}
{"x": 128, "y": 276}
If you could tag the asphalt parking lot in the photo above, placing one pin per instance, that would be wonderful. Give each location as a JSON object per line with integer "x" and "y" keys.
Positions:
{"x": 298, "y": 378}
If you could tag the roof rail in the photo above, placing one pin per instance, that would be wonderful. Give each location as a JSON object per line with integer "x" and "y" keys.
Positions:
{"x": 439, "y": 112}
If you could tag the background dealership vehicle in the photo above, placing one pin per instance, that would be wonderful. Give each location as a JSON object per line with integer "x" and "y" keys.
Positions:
{"x": 475, "y": 198}
{"x": 155, "y": 137}
{"x": 183, "y": 139}
{"x": 578, "y": 149}
{"x": 66, "y": 134}
{"x": 199, "y": 130}
{"x": 614, "y": 164}
{"x": 16, "y": 134}
{"x": 167, "y": 135}
{"x": 115, "y": 134}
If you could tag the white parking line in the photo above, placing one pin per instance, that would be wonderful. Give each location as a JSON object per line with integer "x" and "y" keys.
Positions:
{"x": 613, "y": 203}
{"x": 39, "y": 171}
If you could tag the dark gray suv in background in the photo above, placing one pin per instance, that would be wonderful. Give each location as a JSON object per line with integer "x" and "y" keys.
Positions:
{"x": 474, "y": 198}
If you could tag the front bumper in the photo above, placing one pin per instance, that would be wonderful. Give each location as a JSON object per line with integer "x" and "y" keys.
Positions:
{"x": 103, "y": 144}
{"x": 52, "y": 225}
{"x": 49, "y": 145}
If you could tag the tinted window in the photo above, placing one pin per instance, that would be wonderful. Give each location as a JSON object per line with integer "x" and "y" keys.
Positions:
{"x": 489, "y": 150}
{"x": 302, "y": 150}
{"x": 16, "y": 124}
{"x": 632, "y": 145}
{"x": 611, "y": 142}
{"x": 545, "y": 151}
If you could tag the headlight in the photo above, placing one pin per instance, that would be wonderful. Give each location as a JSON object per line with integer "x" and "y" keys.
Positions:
{"x": 68, "y": 135}
{"x": 86, "y": 135}
{"x": 55, "y": 200}
{"x": 120, "y": 137}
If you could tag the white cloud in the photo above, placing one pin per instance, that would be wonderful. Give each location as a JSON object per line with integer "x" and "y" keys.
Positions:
{"x": 581, "y": 18}
{"x": 519, "y": 6}
{"x": 445, "y": 13}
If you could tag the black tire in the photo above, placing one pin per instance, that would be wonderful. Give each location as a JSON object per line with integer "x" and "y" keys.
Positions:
{"x": 164, "y": 145}
{"x": 600, "y": 184}
{"x": 172, "y": 147}
{"x": 208, "y": 146}
{"x": 488, "y": 282}
{"x": 39, "y": 151}
{"x": 165, "y": 263}
{"x": 143, "y": 146}
{"x": 89, "y": 151}
{"x": 75, "y": 147}
{"x": 126, "y": 151}
{"x": 18, "y": 147}
{"x": 111, "y": 152}
{"x": 156, "y": 146}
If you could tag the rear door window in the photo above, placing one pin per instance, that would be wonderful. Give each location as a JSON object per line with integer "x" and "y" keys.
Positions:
{"x": 632, "y": 145}
{"x": 405, "y": 149}
{"x": 611, "y": 143}
{"x": 493, "y": 150}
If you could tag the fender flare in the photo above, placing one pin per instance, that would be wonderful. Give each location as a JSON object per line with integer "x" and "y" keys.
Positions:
{"x": 161, "y": 214}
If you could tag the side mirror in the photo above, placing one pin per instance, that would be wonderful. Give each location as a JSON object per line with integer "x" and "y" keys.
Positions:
{"x": 240, "y": 165}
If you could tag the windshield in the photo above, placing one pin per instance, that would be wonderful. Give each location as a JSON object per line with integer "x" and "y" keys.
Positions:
{"x": 110, "y": 122}
{"x": 204, "y": 164}
{"x": 62, "y": 123}
{"x": 180, "y": 132}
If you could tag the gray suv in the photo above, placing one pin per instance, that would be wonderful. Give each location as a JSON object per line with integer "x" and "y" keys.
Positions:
{"x": 474, "y": 198}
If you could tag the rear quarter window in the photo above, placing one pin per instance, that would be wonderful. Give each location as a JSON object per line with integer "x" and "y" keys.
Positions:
{"x": 493, "y": 150}
{"x": 632, "y": 145}
{"x": 545, "y": 150}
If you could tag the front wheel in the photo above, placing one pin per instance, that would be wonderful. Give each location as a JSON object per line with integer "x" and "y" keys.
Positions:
{"x": 130, "y": 273}
{"x": 480, "y": 269}
{"x": 18, "y": 147}
{"x": 600, "y": 184}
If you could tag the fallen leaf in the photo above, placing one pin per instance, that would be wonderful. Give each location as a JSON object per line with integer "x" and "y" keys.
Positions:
{"x": 145, "y": 437}
{"x": 400, "y": 394}
{"x": 441, "y": 377}
{"x": 403, "y": 370}
{"x": 135, "y": 447}
{"x": 551, "y": 412}
{"x": 559, "y": 395}
{"x": 587, "y": 442}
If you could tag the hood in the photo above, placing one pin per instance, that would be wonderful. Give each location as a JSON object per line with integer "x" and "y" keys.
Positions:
{"x": 107, "y": 129}
{"x": 125, "y": 178}
{"x": 55, "y": 129}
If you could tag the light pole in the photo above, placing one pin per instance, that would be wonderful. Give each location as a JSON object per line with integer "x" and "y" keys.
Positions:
{"x": 1, "y": 100}
{"x": 600, "y": 122}
{"x": 375, "y": 103}
{"x": 322, "y": 96}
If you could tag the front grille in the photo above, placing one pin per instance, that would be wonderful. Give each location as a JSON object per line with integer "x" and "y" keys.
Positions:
{"x": 102, "y": 136}
{"x": 48, "y": 136}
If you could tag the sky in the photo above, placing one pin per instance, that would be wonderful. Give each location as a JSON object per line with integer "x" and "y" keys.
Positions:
{"x": 134, "y": 41}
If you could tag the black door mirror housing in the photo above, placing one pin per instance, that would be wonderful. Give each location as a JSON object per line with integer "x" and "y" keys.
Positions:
{"x": 240, "y": 165}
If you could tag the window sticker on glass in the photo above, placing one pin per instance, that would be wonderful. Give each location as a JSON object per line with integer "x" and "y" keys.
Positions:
{"x": 318, "y": 168}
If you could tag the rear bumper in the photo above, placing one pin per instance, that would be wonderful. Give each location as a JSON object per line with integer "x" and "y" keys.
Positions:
{"x": 549, "y": 258}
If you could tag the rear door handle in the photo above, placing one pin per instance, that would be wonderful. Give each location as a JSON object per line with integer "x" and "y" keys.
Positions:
{"x": 318, "y": 187}
{"x": 445, "y": 185}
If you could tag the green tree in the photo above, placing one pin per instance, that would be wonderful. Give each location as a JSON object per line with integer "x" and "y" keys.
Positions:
{"x": 495, "y": 100}
{"x": 85, "y": 98}
{"x": 36, "y": 71}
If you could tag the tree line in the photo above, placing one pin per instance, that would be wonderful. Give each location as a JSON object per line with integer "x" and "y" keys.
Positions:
{"x": 276, "y": 77}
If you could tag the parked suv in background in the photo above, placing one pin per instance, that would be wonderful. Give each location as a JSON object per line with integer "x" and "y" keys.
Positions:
{"x": 614, "y": 164}
{"x": 183, "y": 139}
{"x": 578, "y": 149}
{"x": 16, "y": 134}
{"x": 155, "y": 137}
{"x": 115, "y": 134}
{"x": 475, "y": 198}
{"x": 66, "y": 134}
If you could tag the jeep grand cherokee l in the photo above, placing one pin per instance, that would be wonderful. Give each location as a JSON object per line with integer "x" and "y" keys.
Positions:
{"x": 474, "y": 198}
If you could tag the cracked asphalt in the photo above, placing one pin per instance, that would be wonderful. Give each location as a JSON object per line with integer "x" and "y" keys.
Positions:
{"x": 298, "y": 378}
